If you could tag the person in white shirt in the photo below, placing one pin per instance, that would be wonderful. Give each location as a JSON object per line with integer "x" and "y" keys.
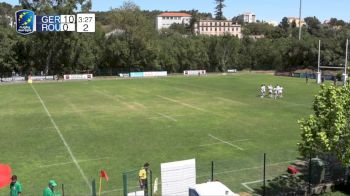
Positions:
{"x": 263, "y": 90}
{"x": 281, "y": 92}
{"x": 275, "y": 90}
{"x": 270, "y": 88}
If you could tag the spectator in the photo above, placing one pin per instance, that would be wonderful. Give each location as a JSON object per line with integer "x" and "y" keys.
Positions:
{"x": 15, "y": 187}
{"x": 50, "y": 190}
{"x": 143, "y": 178}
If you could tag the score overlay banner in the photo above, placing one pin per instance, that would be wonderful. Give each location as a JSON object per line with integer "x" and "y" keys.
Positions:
{"x": 82, "y": 22}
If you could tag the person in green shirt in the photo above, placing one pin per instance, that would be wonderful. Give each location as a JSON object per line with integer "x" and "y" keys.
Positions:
{"x": 15, "y": 187}
{"x": 49, "y": 191}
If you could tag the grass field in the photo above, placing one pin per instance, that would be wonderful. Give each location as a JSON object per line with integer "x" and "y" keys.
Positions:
{"x": 117, "y": 125}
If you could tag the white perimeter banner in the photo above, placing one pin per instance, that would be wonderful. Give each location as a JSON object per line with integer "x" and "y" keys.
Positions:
{"x": 177, "y": 177}
{"x": 15, "y": 78}
{"x": 78, "y": 77}
{"x": 42, "y": 78}
{"x": 155, "y": 73}
{"x": 194, "y": 72}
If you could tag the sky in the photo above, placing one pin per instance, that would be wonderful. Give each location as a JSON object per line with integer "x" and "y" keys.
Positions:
{"x": 267, "y": 10}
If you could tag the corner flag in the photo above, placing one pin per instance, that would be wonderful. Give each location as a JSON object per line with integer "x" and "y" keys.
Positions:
{"x": 103, "y": 174}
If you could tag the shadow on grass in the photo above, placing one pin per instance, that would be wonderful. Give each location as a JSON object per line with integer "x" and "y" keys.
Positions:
{"x": 285, "y": 185}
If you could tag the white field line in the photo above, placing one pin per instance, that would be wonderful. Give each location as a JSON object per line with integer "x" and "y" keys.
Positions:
{"x": 110, "y": 191}
{"x": 167, "y": 117}
{"x": 190, "y": 106}
{"x": 63, "y": 139}
{"x": 245, "y": 184}
{"x": 182, "y": 103}
{"x": 156, "y": 117}
{"x": 231, "y": 101}
{"x": 228, "y": 143}
{"x": 70, "y": 162}
{"x": 216, "y": 143}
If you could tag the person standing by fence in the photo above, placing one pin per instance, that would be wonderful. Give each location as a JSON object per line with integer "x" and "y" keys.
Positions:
{"x": 50, "y": 190}
{"x": 143, "y": 178}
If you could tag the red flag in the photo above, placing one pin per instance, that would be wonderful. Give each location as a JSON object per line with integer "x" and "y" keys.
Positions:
{"x": 103, "y": 174}
{"x": 5, "y": 175}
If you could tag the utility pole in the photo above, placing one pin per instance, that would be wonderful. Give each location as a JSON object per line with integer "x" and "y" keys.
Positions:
{"x": 300, "y": 19}
{"x": 345, "y": 75}
{"x": 318, "y": 79}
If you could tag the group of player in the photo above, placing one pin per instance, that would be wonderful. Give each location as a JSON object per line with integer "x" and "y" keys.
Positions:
{"x": 273, "y": 92}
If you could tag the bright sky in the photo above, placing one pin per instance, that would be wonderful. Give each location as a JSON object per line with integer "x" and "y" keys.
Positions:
{"x": 264, "y": 9}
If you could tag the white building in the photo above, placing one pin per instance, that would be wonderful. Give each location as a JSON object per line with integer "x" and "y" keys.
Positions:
{"x": 166, "y": 19}
{"x": 247, "y": 17}
{"x": 11, "y": 22}
{"x": 273, "y": 23}
{"x": 296, "y": 20}
{"x": 217, "y": 28}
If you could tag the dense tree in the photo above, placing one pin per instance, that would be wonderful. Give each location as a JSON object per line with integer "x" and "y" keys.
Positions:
{"x": 336, "y": 22}
{"x": 219, "y": 15}
{"x": 312, "y": 22}
{"x": 126, "y": 40}
{"x": 8, "y": 60}
{"x": 328, "y": 129}
{"x": 284, "y": 24}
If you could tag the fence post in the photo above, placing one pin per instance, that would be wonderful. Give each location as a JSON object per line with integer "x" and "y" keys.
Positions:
{"x": 212, "y": 171}
{"x": 125, "y": 184}
{"x": 62, "y": 190}
{"x": 310, "y": 167}
{"x": 264, "y": 176}
{"x": 93, "y": 187}
{"x": 150, "y": 184}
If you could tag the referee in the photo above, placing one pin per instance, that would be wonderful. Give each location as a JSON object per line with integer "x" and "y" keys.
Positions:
{"x": 143, "y": 178}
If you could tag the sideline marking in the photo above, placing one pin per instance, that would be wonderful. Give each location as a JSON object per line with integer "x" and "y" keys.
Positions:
{"x": 228, "y": 143}
{"x": 168, "y": 117}
{"x": 70, "y": 162}
{"x": 63, "y": 140}
{"x": 245, "y": 184}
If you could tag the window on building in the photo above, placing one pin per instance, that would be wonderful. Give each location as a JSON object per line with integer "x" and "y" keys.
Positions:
{"x": 206, "y": 28}
{"x": 237, "y": 29}
{"x": 215, "y": 29}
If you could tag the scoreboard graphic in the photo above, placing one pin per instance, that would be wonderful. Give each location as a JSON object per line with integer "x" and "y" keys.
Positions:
{"x": 28, "y": 22}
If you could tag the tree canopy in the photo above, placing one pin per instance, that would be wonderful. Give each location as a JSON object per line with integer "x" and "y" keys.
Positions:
{"x": 328, "y": 129}
{"x": 126, "y": 40}
{"x": 219, "y": 13}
